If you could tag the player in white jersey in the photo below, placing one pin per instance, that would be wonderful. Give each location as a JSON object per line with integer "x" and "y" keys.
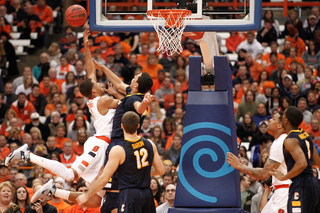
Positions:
{"x": 90, "y": 163}
{"x": 278, "y": 201}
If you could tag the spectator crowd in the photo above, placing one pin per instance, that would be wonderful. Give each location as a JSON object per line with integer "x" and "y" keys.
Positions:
{"x": 45, "y": 109}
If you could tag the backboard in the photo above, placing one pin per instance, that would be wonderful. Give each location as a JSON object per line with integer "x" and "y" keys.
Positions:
{"x": 111, "y": 16}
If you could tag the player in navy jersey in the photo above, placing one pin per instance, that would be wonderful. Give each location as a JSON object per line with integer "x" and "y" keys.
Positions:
{"x": 136, "y": 99}
{"x": 300, "y": 154}
{"x": 133, "y": 160}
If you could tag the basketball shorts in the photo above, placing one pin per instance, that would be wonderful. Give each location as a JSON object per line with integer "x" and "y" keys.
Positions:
{"x": 278, "y": 202}
{"x": 110, "y": 202}
{"x": 89, "y": 164}
{"x": 303, "y": 195}
{"x": 136, "y": 200}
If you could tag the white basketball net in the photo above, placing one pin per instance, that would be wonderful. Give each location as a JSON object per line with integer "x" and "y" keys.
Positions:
{"x": 169, "y": 25}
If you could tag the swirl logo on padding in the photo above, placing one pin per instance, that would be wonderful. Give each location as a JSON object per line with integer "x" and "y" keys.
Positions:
{"x": 225, "y": 168}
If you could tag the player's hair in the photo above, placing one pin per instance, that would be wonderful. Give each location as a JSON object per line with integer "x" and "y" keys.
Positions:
{"x": 145, "y": 83}
{"x": 294, "y": 116}
{"x": 281, "y": 114}
{"x": 86, "y": 87}
{"x": 130, "y": 122}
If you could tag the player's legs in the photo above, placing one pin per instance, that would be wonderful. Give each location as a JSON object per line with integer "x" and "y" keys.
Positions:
{"x": 136, "y": 200}
{"x": 23, "y": 154}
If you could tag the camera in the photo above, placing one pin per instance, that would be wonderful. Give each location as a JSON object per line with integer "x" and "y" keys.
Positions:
{"x": 207, "y": 79}
{"x": 268, "y": 181}
{"x": 33, "y": 204}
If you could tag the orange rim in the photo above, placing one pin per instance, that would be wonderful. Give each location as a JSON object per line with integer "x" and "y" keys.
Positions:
{"x": 172, "y": 17}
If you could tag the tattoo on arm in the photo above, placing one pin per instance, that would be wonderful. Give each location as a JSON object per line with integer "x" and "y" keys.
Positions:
{"x": 261, "y": 173}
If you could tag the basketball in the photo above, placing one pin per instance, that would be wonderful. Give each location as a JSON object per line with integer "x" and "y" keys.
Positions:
{"x": 76, "y": 15}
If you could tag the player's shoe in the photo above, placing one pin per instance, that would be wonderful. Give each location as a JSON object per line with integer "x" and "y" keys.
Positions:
{"x": 45, "y": 192}
{"x": 22, "y": 154}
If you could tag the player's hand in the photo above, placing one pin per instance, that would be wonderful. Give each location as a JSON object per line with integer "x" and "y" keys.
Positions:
{"x": 86, "y": 34}
{"x": 97, "y": 65}
{"x": 111, "y": 90}
{"x": 82, "y": 199}
{"x": 277, "y": 174}
{"x": 148, "y": 98}
{"x": 233, "y": 160}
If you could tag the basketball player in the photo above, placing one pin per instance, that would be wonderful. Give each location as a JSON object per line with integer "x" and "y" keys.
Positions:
{"x": 88, "y": 165}
{"x": 299, "y": 154}
{"x": 278, "y": 202}
{"x": 136, "y": 100}
{"x": 133, "y": 160}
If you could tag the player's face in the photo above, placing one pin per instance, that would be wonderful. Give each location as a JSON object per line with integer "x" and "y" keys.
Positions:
{"x": 134, "y": 80}
{"x": 274, "y": 122}
{"x": 97, "y": 88}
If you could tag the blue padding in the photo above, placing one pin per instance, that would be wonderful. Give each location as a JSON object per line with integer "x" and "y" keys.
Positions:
{"x": 195, "y": 73}
{"x": 205, "y": 210}
{"x": 217, "y": 98}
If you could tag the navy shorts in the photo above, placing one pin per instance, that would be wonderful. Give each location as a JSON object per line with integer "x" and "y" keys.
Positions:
{"x": 303, "y": 195}
{"x": 136, "y": 201}
{"x": 110, "y": 202}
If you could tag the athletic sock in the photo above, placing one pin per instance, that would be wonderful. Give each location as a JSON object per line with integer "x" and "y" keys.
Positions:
{"x": 54, "y": 166}
{"x": 64, "y": 194}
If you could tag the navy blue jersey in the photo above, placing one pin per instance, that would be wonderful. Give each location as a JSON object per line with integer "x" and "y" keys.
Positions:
{"x": 126, "y": 104}
{"x": 307, "y": 148}
{"x": 135, "y": 170}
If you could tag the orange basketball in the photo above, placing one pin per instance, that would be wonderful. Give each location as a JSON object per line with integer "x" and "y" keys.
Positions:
{"x": 76, "y": 15}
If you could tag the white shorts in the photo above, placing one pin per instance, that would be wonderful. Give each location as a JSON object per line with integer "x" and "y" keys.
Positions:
{"x": 89, "y": 164}
{"x": 278, "y": 202}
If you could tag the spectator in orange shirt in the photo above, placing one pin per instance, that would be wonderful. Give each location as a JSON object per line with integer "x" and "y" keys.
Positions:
{"x": 44, "y": 12}
{"x": 266, "y": 58}
{"x": 57, "y": 202}
{"x": 4, "y": 150}
{"x": 143, "y": 57}
{"x": 78, "y": 145}
{"x": 233, "y": 41}
{"x": 152, "y": 67}
{"x": 45, "y": 85}
{"x": 76, "y": 208}
{"x": 272, "y": 67}
{"x": 51, "y": 105}
{"x": 53, "y": 78}
{"x": 21, "y": 180}
{"x": 296, "y": 41}
{"x": 4, "y": 173}
{"x": 60, "y": 137}
{"x": 254, "y": 67}
{"x": 23, "y": 108}
{"x": 315, "y": 130}
{"x": 293, "y": 56}
{"x": 68, "y": 157}
{"x": 4, "y": 25}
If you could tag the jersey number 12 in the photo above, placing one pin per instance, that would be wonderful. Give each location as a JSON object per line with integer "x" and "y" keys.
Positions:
{"x": 141, "y": 158}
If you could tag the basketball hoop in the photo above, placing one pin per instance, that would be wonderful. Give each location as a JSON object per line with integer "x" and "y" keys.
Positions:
{"x": 169, "y": 25}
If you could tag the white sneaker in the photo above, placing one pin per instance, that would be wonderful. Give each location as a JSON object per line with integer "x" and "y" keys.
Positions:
{"x": 46, "y": 191}
{"x": 22, "y": 154}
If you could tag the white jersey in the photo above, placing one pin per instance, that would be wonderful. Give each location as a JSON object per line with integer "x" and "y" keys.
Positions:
{"x": 276, "y": 154}
{"x": 102, "y": 123}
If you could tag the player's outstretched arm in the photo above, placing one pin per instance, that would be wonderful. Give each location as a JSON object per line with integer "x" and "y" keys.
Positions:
{"x": 157, "y": 164}
{"x": 140, "y": 107}
{"x": 91, "y": 70}
{"x": 292, "y": 145}
{"x": 260, "y": 173}
{"x": 115, "y": 80}
{"x": 116, "y": 156}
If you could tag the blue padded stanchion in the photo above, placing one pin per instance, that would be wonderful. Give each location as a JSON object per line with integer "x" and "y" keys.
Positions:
{"x": 205, "y": 180}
